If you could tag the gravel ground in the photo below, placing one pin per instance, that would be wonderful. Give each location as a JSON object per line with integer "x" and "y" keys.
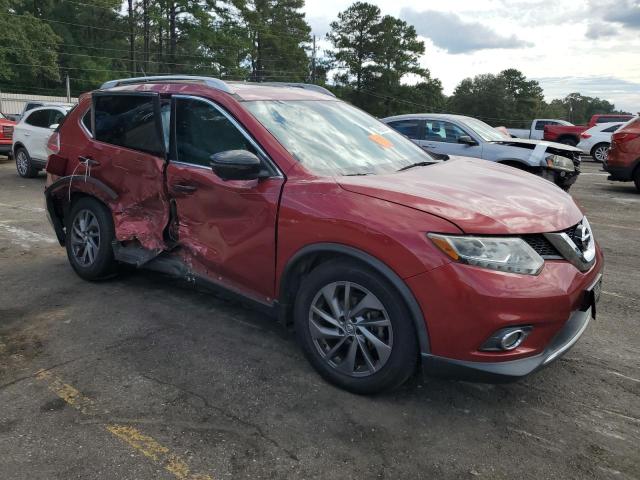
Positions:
{"x": 146, "y": 378}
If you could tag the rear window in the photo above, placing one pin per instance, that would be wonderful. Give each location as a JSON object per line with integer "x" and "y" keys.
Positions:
{"x": 409, "y": 128}
{"x": 128, "y": 121}
{"x": 612, "y": 119}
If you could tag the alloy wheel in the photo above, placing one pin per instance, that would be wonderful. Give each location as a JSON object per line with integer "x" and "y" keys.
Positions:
{"x": 85, "y": 238}
{"x": 350, "y": 329}
{"x": 601, "y": 153}
{"x": 22, "y": 163}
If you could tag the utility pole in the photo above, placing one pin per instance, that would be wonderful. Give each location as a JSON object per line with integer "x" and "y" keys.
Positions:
{"x": 131, "y": 39}
{"x": 313, "y": 61}
{"x": 68, "y": 89}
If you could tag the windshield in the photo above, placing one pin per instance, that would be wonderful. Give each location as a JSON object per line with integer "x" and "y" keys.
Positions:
{"x": 483, "y": 130}
{"x": 333, "y": 138}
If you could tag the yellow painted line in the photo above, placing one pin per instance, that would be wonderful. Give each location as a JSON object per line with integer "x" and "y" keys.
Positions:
{"x": 133, "y": 437}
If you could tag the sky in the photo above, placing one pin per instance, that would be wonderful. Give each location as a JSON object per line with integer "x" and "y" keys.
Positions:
{"x": 586, "y": 46}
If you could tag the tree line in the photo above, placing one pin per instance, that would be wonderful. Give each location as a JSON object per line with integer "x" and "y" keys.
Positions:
{"x": 373, "y": 60}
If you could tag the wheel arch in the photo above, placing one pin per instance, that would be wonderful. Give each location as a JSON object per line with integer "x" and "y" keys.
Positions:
{"x": 58, "y": 203}
{"x": 516, "y": 163}
{"x": 18, "y": 145}
{"x": 309, "y": 257}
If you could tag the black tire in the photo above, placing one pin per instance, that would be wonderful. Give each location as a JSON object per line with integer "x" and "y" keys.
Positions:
{"x": 24, "y": 164}
{"x": 636, "y": 178}
{"x": 396, "y": 367}
{"x": 596, "y": 152}
{"x": 102, "y": 264}
{"x": 568, "y": 141}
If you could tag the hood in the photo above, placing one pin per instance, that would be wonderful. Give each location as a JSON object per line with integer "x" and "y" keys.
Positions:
{"x": 478, "y": 196}
{"x": 526, "y": 143}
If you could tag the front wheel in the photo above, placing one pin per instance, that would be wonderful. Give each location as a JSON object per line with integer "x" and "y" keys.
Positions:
{"x": 600, "y": 152}
{"x": 89, "y": 233}
{"x": 354, "y": 329}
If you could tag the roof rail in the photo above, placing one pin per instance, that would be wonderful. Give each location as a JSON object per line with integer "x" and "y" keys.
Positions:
{"x": 305, "y": 86}
{"x": 209, "y": 81}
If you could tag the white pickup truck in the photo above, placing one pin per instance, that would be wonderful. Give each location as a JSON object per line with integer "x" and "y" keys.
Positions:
{"x": 536, "y": 132}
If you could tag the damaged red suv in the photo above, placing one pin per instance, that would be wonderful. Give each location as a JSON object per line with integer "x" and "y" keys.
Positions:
{"x": 379, "y": 256}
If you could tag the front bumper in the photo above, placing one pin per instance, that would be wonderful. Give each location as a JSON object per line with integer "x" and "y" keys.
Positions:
{"x": 562, "y": 178}
{"x": 511, "y": 370}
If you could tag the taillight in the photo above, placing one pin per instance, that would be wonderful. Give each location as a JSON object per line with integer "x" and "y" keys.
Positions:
{"x": 7, "y": 132}
{"x": 53, "y": 145}
{"x": 585, "y": 135}
{"x": 622, "y": 137}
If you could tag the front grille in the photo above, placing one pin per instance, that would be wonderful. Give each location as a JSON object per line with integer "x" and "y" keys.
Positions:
{"x": 542, "y": 246}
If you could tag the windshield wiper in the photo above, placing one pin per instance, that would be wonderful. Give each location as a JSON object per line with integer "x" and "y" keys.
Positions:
{"x": 417, "y": 164}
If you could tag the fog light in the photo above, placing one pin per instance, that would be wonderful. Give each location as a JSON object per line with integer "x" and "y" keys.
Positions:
{"x": 512, "y": 339}
{"x": 506, "y": 339}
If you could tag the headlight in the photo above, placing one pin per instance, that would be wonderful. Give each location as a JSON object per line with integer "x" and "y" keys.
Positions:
{"x": 560, "y": 163}
{"x": 506, "y": 254}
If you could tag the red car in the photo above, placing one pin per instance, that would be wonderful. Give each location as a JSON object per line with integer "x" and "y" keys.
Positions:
{"x": 6, "y": 135}
{"x": 570, "y": 134}
{"x": 378, "y": 255}
{"x": 623, "y": 160}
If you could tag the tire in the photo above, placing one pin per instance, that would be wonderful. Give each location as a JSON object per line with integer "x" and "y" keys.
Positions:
{"x": 24, "y": 164}
{"x": 89, "y": 233}
{"x": 568, "y": 141}
{"x": 636, "y": 178}
{"x": 600, "y": 152}
{"x": 385, "y": 353}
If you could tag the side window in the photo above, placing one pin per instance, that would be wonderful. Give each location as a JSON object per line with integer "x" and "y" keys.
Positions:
{"x": 86, "y": 121}
{"x": 55, "y": 117}
{"x": 202, "y": 130}
{"x": 540, "y": 124}
{"x": 128, "y": 121}
{"x": 409, "y": 128}
{"x": 39, "y": 118}
{"x": 611, "y": 129}
{"x": 439, "y": 131}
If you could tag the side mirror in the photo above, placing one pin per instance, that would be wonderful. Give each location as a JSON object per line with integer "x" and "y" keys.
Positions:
{"x": 53, "y": 126}
{"x": 467, "y": 140}
{"x": 237, "y": 165}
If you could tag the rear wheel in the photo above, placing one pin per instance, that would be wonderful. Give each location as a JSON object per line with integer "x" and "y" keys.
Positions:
{"x": 354, "y": 329}
{"x": 24, "y": 164}
{"x": 600, "y": 152}
{"x": 89, "y": 233}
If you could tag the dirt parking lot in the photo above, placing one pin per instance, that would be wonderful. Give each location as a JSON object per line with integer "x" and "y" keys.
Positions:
{"x": 142, "y": 377}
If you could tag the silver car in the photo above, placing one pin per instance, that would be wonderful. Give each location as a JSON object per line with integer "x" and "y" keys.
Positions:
{"x": 444, "y": 134}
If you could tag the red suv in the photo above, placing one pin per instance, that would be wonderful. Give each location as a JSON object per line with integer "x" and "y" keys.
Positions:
{"x": 6, "y": 135}
{"x": 378, "y": 255}
{"x": 623, "y": 160}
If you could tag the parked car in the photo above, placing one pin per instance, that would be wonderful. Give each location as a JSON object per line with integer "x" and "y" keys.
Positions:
{"x": 470, "y": 137}
{"x": 623, "y": 160}
{"x": 6, "y": 135}
{"x": 570, "y": 134}
{"x": 596, "y": 140}
{"x": 30, "y": 105}
{"x": 377, "y": 254}
{"x": 31, "y": 135}
{"x": 536, "y": 131}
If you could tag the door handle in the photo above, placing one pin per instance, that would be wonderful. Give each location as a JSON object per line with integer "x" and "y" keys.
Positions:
{"x": 90, "y": 162}
{"x": 184, "y": 188}
{"x": 26, "y": 134}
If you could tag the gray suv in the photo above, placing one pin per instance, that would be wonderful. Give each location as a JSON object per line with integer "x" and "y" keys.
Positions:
{"x": 457, "y": 135}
